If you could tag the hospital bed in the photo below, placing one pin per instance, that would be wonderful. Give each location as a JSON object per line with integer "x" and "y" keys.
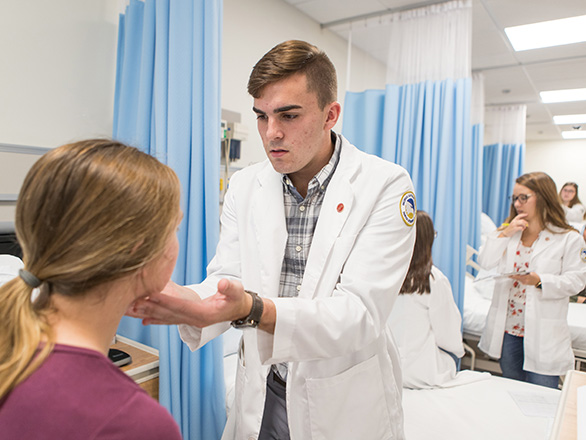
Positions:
{"x": 477, "y": 303}
{"x": 480, "y": 407}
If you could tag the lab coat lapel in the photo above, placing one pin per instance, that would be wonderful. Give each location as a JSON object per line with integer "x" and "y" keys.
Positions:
{"x": 337, "y": 205}
{"x": 270, "y": 228}
{"x": 545, "y": 239}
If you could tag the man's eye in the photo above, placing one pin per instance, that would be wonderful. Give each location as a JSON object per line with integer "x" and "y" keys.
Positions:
{"x": 288, "y": 116}
{"x": 261, "y": 117}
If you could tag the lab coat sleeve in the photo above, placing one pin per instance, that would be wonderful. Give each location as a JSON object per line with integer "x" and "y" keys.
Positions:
{"x": 572, "y": 278}
{"x": 491, "y": 254}
{"x": 445, "y": 318}
{"x": 229, "y": 267}
{"x": 353, "y": 315}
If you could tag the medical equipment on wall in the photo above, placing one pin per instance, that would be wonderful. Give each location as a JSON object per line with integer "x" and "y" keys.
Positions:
{"x": 232, "y": 133}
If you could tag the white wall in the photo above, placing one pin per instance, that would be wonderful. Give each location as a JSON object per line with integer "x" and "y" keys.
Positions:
{"x": 564, "y": 161}
{"x": 252, "y": 28}
{"x": 59, "y": 61}
{"x": 57, "y": 78}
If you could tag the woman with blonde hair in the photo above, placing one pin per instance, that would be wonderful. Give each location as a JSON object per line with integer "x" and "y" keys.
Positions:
{"x": 96, "y": 221}
{"x": 526, "y": 327}
{"x": 425, "y": 320}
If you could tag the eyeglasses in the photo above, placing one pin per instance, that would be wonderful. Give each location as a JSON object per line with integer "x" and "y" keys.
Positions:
{"x": 522, "y": 198}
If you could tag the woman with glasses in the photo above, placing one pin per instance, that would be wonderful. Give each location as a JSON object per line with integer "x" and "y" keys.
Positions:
{"x": 425, "y": 320}
{"x": 544, "y": 262}
{"x": 571, "y": 203}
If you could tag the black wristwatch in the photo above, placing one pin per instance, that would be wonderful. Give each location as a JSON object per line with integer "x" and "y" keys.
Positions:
{"x": 253, "y": 318}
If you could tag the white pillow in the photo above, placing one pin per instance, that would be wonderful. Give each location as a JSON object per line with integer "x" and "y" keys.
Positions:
{"x": 9, "y": 266}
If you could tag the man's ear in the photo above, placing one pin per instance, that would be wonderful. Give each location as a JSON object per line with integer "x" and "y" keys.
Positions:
{"x": 332, "y": 115}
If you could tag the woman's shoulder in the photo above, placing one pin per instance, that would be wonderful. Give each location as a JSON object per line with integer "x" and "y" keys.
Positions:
{"x": 438, "y": 278}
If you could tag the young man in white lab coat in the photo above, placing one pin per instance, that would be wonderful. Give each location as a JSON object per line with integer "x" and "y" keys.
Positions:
{"x": 323, "y": 235}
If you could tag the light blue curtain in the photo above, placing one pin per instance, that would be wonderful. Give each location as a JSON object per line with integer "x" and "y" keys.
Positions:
{"x": 503, "y": 163}
{"x": 167, "y": 103}
{"x": 426, "y": 129}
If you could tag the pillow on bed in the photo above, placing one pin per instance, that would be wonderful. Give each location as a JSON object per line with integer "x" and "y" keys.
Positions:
{"x": 483, "y": 285}
{"x": 9, "y": 265}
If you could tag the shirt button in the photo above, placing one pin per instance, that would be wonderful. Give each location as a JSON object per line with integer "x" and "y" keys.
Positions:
{"x": 298, "y": 248}
{"x": 302, "y": 208}
{"x": 298, "y": 287}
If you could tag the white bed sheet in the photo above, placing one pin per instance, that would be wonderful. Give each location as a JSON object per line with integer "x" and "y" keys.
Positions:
{"x": 482, "y": 410}
{"x": 476, "y": 309}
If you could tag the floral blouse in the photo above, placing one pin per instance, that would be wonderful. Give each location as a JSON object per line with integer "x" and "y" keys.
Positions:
{"x": 515, "y": 324}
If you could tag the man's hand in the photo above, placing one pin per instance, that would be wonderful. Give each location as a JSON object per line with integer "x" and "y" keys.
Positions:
{"x": 181, "y": 305}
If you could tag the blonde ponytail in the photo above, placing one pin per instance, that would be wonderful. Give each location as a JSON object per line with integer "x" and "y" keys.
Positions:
{"x": 22, "y": 329}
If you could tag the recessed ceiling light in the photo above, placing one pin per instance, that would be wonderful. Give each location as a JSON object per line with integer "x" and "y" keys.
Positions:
{"x": 577, "y": 134}
{"x": 569, "y": 119}
{"x": 548, "y": 33}
{"x": 563, "y": 95}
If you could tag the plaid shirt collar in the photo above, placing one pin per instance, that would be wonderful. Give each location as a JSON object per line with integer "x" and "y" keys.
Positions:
{"x": 321, "y": 179}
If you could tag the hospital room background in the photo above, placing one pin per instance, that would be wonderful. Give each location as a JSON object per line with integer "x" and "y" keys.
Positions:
{"x": 59, "y": 82}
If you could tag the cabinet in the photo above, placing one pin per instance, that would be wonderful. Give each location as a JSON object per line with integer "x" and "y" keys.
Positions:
{"x": 144, "y": 368}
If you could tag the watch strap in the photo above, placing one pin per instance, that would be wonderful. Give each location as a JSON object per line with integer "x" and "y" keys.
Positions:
{"x": 253, "y": 318}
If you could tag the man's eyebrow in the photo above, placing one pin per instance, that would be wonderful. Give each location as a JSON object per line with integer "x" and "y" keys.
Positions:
{"x": 278, "y": 110}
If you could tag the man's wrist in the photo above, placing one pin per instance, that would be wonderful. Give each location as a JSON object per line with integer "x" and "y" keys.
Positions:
{"x": 254, "y": 316}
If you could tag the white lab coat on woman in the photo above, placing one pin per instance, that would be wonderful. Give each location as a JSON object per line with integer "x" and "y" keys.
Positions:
{"x": 421, "y": 325}
{"x": 344, "y": 371}
{"x": 560, "y": 261}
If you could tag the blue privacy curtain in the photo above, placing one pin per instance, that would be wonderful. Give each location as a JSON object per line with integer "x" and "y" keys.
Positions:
{"x": 167, "y": 103}
{"x": 504, "y": 157}
{"x": 422, "y": 122}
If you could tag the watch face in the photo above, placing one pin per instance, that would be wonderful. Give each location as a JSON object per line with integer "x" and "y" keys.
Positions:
{"x": 244, "y": 324}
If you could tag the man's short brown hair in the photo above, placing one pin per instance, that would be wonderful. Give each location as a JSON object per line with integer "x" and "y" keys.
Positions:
{"x": 289, "y": 58}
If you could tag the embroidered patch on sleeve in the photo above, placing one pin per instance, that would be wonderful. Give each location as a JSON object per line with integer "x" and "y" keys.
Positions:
{"x": 408, "y": 208}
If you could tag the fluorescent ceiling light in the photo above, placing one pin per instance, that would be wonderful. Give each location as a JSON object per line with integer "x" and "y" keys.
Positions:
{"x": 569, "y": 119}
{"x": 548, "y": 33}
{"x": 576, "y": 134}
{"x": 563, "y": 95}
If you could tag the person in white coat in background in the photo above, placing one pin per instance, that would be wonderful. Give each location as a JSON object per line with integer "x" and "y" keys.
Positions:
{"x": 320, "y": 236}
{"x": 573, "y": 207}
{"x": 526, "y": 327}
{"x": 425, "y": 320}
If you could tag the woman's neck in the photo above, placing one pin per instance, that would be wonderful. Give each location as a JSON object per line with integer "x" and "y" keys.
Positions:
{"x": 90, "y": 321}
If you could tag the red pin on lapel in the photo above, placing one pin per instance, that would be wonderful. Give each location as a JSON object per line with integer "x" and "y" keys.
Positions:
{"x": 340, "y": 207}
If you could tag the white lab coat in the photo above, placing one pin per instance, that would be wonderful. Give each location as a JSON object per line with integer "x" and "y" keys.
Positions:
{"x": 421, "y": 325}
{"x": 575, "y": 213}
{"x": 559, "y": 260}
{"x": 344, "y": 370}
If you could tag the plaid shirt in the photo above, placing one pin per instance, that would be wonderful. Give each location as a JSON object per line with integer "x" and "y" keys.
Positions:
{"x": 301, "y": 216}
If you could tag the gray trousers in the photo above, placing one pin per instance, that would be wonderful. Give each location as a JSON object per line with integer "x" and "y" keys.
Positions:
{"x": 274, "y": 420}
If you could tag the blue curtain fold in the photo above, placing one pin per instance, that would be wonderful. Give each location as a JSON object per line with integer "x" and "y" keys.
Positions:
{"x": 503, "y": 163}
{"x": 168, "y": 104}
{"x": 426, "y": 129}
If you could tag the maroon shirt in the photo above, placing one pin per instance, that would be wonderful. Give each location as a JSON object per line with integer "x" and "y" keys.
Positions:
{"x": 79, "y": 394}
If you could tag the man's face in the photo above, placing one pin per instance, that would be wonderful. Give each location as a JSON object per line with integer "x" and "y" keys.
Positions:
{"x": 295, "y": 132}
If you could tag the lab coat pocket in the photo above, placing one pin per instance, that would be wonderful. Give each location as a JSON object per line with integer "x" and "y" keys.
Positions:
{"x": 350, "y": 405}
{"x": 555, "y": 340}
